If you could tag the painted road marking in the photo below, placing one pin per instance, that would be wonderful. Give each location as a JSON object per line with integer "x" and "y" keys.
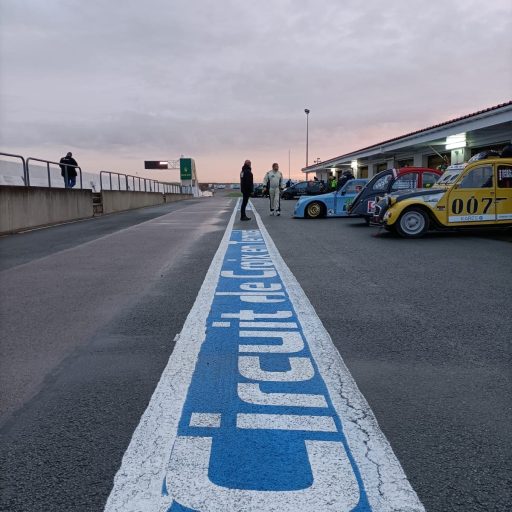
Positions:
{"x": 261, "y": 414}
{"x": 209, "y": 420}
{"x": 221, "y": 324}
{"x": 251, "y": 393}
{"x": 286, "y": 422}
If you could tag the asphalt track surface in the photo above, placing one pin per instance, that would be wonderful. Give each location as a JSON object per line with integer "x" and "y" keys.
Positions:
{"x": 89, "y": 312}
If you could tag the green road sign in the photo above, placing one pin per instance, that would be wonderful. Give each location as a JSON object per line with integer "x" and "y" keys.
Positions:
{"x": 186, "y": 168}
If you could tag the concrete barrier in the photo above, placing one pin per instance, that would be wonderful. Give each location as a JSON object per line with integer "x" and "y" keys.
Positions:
{"x": 29, "y": 207}
{"x": 118, "y": 201}
{"x": 170, "y": 198}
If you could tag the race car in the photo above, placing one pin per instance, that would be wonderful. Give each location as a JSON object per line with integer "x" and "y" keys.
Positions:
{"x": 332, "y": 204}
{"x": 303, "y": 188}
{"x": 259, "y": 191}
{"x": 391, "y": 180}
{"x": 477, "y": 194}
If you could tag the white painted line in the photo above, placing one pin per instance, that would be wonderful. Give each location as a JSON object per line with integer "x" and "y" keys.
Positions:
{"x": 250, "y": 294}
{"x": 286, "y": 422}
{"x": 291, "y": 341}
{"x": 204, "y": 419}
{"x": 249, "y": 314}
{"x": 300, "y": 370}
{"x": 250, "y": 392}
{"x": 269, "y": 325}
{"x": 221, "y": 324}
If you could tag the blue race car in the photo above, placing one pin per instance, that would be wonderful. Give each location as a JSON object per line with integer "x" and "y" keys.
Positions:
{"x": 333, "y": 204}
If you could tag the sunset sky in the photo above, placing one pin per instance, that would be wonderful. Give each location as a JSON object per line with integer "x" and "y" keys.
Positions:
{"x": 119, "y": 82}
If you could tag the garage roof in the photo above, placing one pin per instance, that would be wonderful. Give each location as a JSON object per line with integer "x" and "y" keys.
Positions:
{"x": 490, "y": 122}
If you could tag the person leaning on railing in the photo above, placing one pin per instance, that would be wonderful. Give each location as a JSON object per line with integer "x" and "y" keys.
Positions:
{"x": 68, "y": 172}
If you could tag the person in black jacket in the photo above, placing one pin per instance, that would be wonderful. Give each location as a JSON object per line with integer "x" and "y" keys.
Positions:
{"x": 506, "y": 152}
{"x": 67, "y": 171}
{"x": 346, "y": 176}
{"x": 246, "y": 187}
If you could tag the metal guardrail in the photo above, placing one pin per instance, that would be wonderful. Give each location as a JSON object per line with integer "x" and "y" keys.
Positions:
{"x": 125, "y": 182}
{"x": 148, "y": 183}
{"x": 140, "y": 184}
{"x": 48, "y": 163}
{"x": 24, "y": 163}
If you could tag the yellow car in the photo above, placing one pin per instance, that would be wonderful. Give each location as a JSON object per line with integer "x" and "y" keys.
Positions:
{"x": 476, "y": 194}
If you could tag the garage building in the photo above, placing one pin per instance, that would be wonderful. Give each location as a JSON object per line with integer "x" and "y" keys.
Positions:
{"x": 457, "y": 140}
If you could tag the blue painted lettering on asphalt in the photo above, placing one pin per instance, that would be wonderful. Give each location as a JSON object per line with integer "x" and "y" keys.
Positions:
{"x": 258, "y": 419}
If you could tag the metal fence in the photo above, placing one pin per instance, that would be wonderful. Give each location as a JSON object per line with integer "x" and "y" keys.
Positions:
{"x": 48, "y": 173}
{"x": 120, "y": 181}
{"x": 109, "y": 180}
{"x": 23, "y": 163}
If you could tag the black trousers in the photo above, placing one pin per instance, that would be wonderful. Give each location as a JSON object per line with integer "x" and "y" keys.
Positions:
{"x": 245, "y": 200}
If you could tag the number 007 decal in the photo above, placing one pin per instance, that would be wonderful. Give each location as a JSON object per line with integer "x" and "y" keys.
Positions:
{"x": 471, "y": 209}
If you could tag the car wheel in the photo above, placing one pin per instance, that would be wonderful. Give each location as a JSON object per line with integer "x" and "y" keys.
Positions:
{"x": 314, "y": 210}
{"x": 413, "y": 223}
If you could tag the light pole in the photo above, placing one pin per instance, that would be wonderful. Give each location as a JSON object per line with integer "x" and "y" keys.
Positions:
{"x": 306, "y": 110}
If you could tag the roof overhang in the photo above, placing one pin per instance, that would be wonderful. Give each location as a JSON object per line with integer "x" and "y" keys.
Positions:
{"x": 487, "y": 127}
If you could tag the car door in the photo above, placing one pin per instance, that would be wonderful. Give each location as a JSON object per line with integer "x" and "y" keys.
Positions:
{"x": 471, "y": 199}
{"x": 428, "y": 179}
{"x": 345, "y": 196}
{"x": 504, "y": 194}
{"x": 379, "y": 188}
{"x": 299, "y": 189}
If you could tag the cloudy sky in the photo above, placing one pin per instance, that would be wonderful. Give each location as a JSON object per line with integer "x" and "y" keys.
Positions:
{"x": 121, "y": 81}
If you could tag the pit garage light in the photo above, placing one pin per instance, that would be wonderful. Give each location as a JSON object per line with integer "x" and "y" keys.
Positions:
{"x": 353, "y": 164}
{"x": 456, "y": 141}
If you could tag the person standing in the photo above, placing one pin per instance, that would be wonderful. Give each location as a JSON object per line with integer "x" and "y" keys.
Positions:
{"x": 333, "y": 183}
{"x": 273, "y": 180}
{"x": 68, "y": 172}
{"x": 345, "y": 176}
{"x": 246, "y": 187}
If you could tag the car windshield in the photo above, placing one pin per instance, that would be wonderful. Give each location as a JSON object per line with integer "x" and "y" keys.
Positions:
{"x": 450, "y": 175}
{"x": 382, "y": 182}
{"x": 359, "y": 193}
{"x": 353, "y": 187}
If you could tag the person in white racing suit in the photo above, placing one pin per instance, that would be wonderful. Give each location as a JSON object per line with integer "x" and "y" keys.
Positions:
{"x": 273, "y": 183}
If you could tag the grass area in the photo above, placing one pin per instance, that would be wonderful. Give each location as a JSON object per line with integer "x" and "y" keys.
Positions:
{"x": 235, "y": 194}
